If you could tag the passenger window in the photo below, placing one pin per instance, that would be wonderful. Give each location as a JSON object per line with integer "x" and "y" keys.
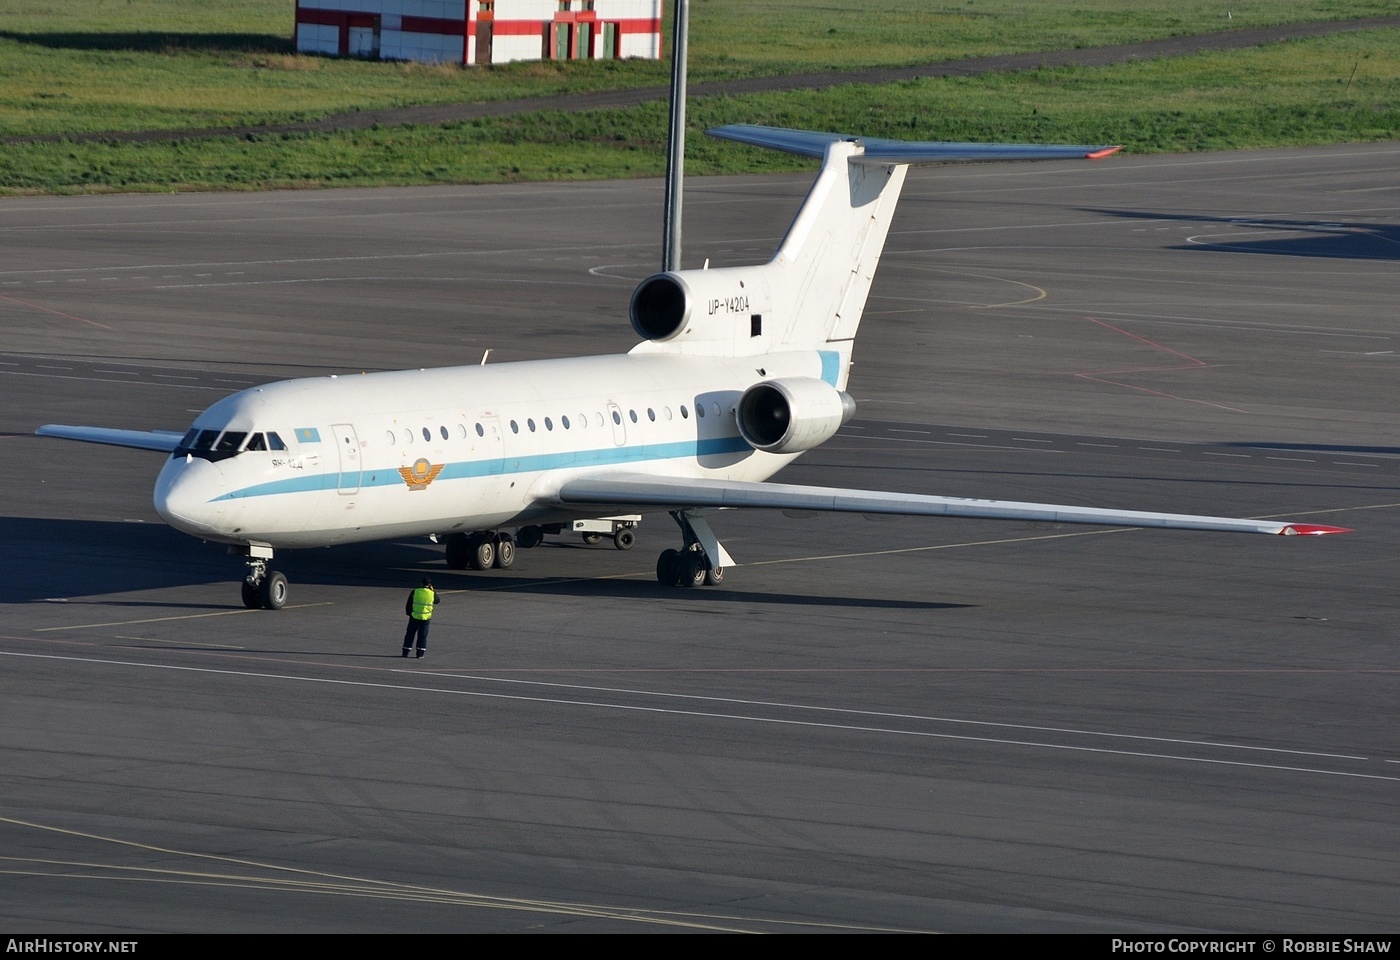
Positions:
{"x": 443, "y": 431}
{"x": 479, "y": 431}
{"x": 564, "y": 422}
{"x": 548, "y": 424}
{"x": 426, "y": 435}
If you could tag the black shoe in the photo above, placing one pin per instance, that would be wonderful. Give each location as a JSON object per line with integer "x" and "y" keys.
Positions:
{"x": 421, "y": 654}
{"x": 405, "y": 651}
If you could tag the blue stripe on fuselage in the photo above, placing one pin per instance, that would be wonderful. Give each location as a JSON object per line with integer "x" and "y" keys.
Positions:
{"x": 536, "y": 463}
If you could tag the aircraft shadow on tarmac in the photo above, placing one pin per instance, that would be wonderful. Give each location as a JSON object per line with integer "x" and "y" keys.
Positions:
{"x": 1330, "y": 239}
{"x": 71, "y": 559}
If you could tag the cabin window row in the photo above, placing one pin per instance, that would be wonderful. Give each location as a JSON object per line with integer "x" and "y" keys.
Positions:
{"x": 564, "y": 422}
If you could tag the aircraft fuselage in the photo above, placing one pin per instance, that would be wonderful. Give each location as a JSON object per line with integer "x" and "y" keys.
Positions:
{"x": 418, "y": 452}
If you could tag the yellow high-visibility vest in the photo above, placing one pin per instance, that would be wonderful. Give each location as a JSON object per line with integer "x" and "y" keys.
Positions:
{"x": 422, "y": 603}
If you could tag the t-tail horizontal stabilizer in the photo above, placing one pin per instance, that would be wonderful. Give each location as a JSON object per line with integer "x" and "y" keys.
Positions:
{"x": 809, "y": 143}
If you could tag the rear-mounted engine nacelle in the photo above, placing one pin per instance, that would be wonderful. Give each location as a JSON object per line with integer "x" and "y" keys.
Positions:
{"x": 660, "y": 307}
{"x": 693, "y": 305}
{"x": 792, "y": 415}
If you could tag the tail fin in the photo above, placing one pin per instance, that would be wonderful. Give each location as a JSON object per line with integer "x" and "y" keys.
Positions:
{"x": 812, "y": 294}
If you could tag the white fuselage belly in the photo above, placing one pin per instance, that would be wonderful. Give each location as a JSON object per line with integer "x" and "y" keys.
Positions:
{"x": 419, "y": 452}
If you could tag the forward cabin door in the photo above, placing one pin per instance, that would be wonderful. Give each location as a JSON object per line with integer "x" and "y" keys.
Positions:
{"x": 347, "y": 444}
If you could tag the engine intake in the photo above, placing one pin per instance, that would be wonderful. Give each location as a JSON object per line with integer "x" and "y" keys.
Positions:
{"x": 792, "y": 415}
{"x": 660, "y": 307}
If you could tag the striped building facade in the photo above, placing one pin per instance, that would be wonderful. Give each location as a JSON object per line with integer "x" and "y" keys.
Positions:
{"x": 480, "y": 31}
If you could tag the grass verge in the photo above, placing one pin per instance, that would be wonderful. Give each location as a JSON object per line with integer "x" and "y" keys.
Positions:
{"x": 1334, "y": 89}
{"x": 95, "y": 65}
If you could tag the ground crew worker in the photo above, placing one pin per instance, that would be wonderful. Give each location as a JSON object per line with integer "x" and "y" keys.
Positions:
{"x": 419, "y": 607}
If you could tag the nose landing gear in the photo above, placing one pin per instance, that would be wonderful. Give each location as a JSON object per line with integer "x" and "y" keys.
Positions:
{"x": 263, "y": 588}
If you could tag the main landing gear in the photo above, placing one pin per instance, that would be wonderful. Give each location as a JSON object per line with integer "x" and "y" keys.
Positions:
{"x": 263, "y": 589}
{"x": 700, "y": 562}
{"x": 480, "y": 551}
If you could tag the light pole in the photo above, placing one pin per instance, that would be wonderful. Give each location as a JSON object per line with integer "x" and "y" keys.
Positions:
{"x": 675, "y": 140}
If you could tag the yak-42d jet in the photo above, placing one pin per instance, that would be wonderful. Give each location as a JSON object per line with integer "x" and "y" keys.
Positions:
{"x": 741, "y": 369}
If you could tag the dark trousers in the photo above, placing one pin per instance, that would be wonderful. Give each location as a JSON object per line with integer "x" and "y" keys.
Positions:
{"x": 418, "y": 628}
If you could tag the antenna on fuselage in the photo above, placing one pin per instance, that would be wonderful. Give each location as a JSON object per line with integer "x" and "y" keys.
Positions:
{"x": 675, "y": 139}
{"x": 484, "y": 356}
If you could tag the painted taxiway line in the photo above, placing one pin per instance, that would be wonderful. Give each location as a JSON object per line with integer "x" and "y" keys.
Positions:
{"x": 187, "y": 616}
{"x": 813, "y": 725}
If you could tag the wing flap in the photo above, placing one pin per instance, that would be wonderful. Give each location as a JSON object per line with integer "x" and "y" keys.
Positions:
{"x": 677, "y": 493}
{"x": 163, "y": 441}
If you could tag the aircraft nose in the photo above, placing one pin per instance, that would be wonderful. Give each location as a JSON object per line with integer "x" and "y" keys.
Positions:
{"x": 189, "y": 496}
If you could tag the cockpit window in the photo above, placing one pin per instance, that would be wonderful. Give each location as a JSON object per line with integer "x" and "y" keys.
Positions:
{"x": 230, "y": 441}
{"x": 213, "y": 446}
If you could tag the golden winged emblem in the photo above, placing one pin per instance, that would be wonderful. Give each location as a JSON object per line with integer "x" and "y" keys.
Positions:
{"x": 420, "y": 474}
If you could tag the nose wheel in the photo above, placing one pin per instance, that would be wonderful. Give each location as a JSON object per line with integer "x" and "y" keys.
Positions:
{"x": 264, "y": 589}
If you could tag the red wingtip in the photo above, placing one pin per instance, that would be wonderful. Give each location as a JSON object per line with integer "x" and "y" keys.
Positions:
{"x": 1100, "y": 154}
{"x": 1311, "y": 530}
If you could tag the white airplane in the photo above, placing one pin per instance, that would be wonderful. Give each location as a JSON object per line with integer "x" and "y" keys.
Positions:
{"x": 741, "y": 370}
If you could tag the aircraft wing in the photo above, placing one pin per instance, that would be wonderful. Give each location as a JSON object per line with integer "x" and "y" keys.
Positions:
{"x": 164, "y": 441}
{"x": 632, "y": 491}
{"x": 809, "y": 143}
